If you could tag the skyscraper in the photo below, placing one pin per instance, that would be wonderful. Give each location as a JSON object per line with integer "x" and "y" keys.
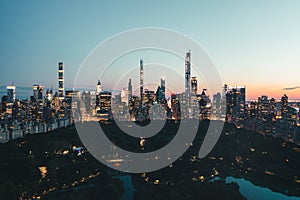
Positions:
{"x": 284, "y": 105}
{"x": 98, "y": 91}
{"x": 61, "y": 80}
{"x": 104, "y": 114}
{"x": 11, "y": 93}
{"x": 188, "y": 79}
{"x": 163, "y": 86}
{"x": 98, "y": 88}
{"x": 38, "y": 92}
{"x": 125, "y": 95}
{"x": 194, "y": 85}
{"x": 235, "y": 101}
{"x": 175, "y": 106}
{"x": 160, "y": 92}
{"x": 141, "y": 84}
{"x": 129, "y": 90}
{"x": 49, "y": 95}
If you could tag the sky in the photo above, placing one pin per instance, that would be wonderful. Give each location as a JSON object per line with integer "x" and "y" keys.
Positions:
{"x": 251, "y": 43}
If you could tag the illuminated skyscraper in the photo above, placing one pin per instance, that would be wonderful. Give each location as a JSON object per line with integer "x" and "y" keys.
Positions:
{"x": 141, "y": 84}
{"x": 194, "y": 85}
{"x": 38, "y": 92}
{"x": 98, "y": 91}
{"x": 235, "y": 100}
{"x": 163, "y": 86}
{"x": 284, "y": 105}
{"x": 125, "y": 95}
{"x": 11, "y": 93}
{"x": 161, "y": 90}
{"x": 49, "y": 95}
{"x": 98, "y": 88}
{"x": 104, "y": 114}
{"x": 61, "y": 80}
{"x": 129, "y": 90}
{"x": 188, "y": 79}
{"x": 175, "y": 106}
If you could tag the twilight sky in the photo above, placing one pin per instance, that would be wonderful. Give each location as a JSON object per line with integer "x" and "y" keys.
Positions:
{"x": 252, "y": 43}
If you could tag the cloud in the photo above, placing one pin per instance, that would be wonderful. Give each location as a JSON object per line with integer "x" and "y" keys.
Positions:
{"x": 291, "y": 88}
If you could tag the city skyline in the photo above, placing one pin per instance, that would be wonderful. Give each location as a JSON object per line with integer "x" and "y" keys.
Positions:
{"x": 257, "y": 50}
{"x": 26, "y": 92}
{"x": 149, "y": 100}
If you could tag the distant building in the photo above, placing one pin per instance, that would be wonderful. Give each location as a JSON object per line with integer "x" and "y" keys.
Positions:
{"x": 38, "y": 92}
{"x": 204, "y": 106}
{"x": 98, "y": 88}
{"x": 11, "y": 96}
{"x": 217, "y": 106}
{"x": 133, "y": 107}
{"x": 49, "y": 95}
{"x": 188, "y": 80}
{"x": 141, "y": 85}
{"x": 129, "y": 90}
{"x": 61, "y": 88}
{"x": 104, "y": 113}
{"x": 125, "y": 95}
{"x": 288, "y": 121}
{"x": 194, "y": 85}
{"x": 235, "y": 101}
{"x": 175, "y": 107}
{"x": 182, "y": 102}
{"x": 98, "y": 91}
{"x": 11, "y": 93}
{"x": 163, "y": 87}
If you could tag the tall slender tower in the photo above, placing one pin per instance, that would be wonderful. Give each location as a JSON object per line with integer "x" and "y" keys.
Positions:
{"x": 129, "y": 90}
{"x": 188, "y": 79}
{"x": 141, "y": 84}
{"x": 61, "y": 80}
{"x": 163, "y": 86}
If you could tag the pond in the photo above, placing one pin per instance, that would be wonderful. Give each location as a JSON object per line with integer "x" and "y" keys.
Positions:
{"x": 253, "y": 192}
{"x": 129, "y": 189}
{"x": 246, "y": 188}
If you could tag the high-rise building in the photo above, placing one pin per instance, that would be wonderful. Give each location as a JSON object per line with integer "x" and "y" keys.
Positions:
{"x": 98, "y": 88}
{"x": 11, "y": 96}
{"x": 61, "y": 80}
{"x": 175, "y": 106}
{"x": 235, "y": 101}
{"x": 224, "y": 92}
{"x": 194, "y": 85}
{"x": 182, "y": 102}
{"x": 205, "y": 107}
{"x": 133, "y": 107}
{"x": 105, "y": 101}
{"x": 161, "y": 92}
{"x": 11, "y": 93}
{"x": 49, "y": 95}
{"x": 125, "y": 95}
{"x": 284, "y": 105}
{"x": 187, "y": 79}
{"x": 149, "y": 97}
{"x": 38, "y": 92}
{"x": 163, "y": 86}
{"x": 105, "y": 114}
{"x": 98, "y": 91}
{"x": 129, "y": 90}
{"x": 217, "y": 106}
{"x": 141, "y": 84}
